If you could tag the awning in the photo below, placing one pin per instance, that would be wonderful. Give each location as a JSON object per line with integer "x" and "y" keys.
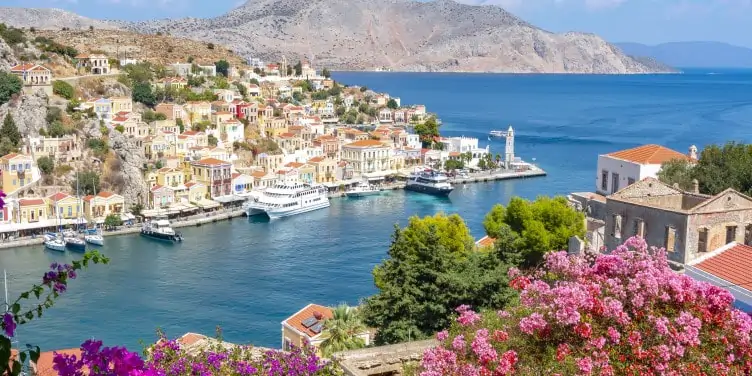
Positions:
{"x": 127, "y": 216}
{"x": 379, "y": 174}
{"x": 206, "y": 204}
{"x": 230, "y": 198}
{"x": 340, "y": 182}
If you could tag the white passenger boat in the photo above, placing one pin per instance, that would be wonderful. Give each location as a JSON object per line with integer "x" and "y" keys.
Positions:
{"x": 498, "y": 134}
{"x": 288, "y": 198}
{"x": 362, "y": 191}
{"x": 431, "y": 182}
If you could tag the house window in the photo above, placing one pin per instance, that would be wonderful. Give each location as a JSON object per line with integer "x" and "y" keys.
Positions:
{"x": 639, "y": 228}
{"x": 614, "y": 182}
{"x": 70, "y": 211}
{"x": 730, "y": 234}
{"x": 604, "y": 180}
{"x": 630, "y": 181}
{"x": 702, "y": 240}
{"x": 748, "y": 234}
{"x": 670, "y": 239}
{"x": 617, "y": 226}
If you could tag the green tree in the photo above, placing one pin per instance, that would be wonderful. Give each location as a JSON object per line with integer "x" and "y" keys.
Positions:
{"x": 9, "y": 131}
{"x": 453, "y": 164}
{"x": 677, "y": 171}
{"x": 298, "y": 68}
{"x": 428, "y": 273}
{"x": 427, "y": 131}
{"x": 212, "y": 140}
{"x": 223, "y": 67}
{"x": 88, "y": 182}
{"x": 142, "y": 93}
{"x": 10, "y": 85}
{"x": 392, "y": 104}
{"x": 326, "y": 73}
{"x": 221, "y": 83}
{"x": 63, "y": 89}
{"x": 341, "y": 332}
{"x": 112, "y": 221}
{"x": 46, "y": 164}
{"x": 539, "y": 226}
{"x": 241, "y": 89}
{"x": 138, "y": 73}
{"x": 56, "y": 129}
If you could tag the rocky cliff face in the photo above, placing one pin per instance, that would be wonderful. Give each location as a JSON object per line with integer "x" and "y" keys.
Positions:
{"x": 439, "y": 35}
{"x": 48, "y": 18}
{"x": 29, "y": 112}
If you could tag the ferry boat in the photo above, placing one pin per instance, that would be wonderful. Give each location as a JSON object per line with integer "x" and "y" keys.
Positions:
{"x": 288, "y": 198}
{"x": 498, "y": 134}
{"x": 362, "y": 191}
{"x": 160, "y": 229}
{"x": 431, "y": 182}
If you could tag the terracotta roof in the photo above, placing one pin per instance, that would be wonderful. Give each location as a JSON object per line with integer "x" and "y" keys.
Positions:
{"x": 105, "y": 194}
{"x": 454, "y": 154}
{"x": 191, "y": 133}
{"x": 190, "y": 338}
{"x": 190, "y": 184}
{"x": 235, "y": 175}
{"x": 732, "y": 263}
{"x": 316, "y": 159}
{"x": 22, "y": 67}
{"x": 258, "y": 174}
{"x": 294, "y": 164}
{"x": 485, "y": 241}
{"x": 88, "y": 197}
{"x": 10, "y": 156}
{"x": 212, "y": 162}
{"x": 156, "y": 188}
{"x": 287, "y": 135}
{"x": 59, "y": 196}
{"x": 120, "y": 118}
{"x": 223, "y": 112}
{"x": 44, "y": 365}
{"x": 30, "y": 201}
{"x": 365, "y": 144}
{"x": 296, "y": 320}
{"x": 648, "y": 154}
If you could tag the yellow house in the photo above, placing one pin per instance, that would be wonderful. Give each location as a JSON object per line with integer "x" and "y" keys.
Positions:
{"x": 65, "y": 205}
{"x": 275, "y": 126}
{"x": 156, "y": 146}
{"x": 198, "y": 111}
{"x": 121, "y": 104}
{"x": 308, "y": 325}
{"x": 33, "y": 209}
{"x": 326, "y": 169}
{"x": 306, "y": 172}
{"x": 161, "y": 126}
{"x": 170, "y": 177}
{"x": 16, "y": 170}
{"x": 103, "y": 204}
{"x": 196, "y": 191}
{"x": 220, "y": 116}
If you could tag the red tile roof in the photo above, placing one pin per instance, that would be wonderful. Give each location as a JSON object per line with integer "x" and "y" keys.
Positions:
{"x": 212, "y": 162}
{"x": 156, "y": 188}
{"x": 9, "y": 156}
{"x": 316, "y": 159}
{"x": 30, "y": 201}
{"x": 59, "y": 196}
{"x": 296, "y": 321}
{"x": 732, "y": 263}
{"x": 294, "y": 164}
{"x": 105, "y": 194}
{"x": 44, "y": 365}
{"x": 365, "y": 144}
{"x": 190, "y": 338}
{"x": 485, "y": 241}
{"x": 22, "y": 67}
{"x": 258, "y": 174}
{"x": 648, "y": 154}
{"x": 235, "y": 175}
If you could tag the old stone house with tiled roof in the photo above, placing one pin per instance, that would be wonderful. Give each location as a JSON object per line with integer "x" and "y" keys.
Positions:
{"x": 687, "y": 224}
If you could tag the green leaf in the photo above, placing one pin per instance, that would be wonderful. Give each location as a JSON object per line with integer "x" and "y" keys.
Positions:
{"x": 16, "y": 368}
{"x": 25, "y": 295}
{"x": 23, "y": 357}
{"x": 15, "y": 308}
{"x": 29, "y": 315}
{"x": 5, "y": 347}
{"x": 34, "y": 354}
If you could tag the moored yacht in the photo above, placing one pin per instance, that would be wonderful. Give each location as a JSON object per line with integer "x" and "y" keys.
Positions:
{"x": 160, "y": 229}
{"x": 55, "y": 244}
{"x": 94, "y": 237}
{"x": 363, "y": 190}
{"x": 431, "y": 182}
{"x": 74, "y": 243}
{"x": 288, "y": 198}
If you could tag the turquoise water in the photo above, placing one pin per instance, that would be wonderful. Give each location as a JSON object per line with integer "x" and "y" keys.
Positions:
{"x": 247, "y": 276}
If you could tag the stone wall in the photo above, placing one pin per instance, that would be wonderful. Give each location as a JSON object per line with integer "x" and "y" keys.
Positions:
{"x": 716, "y": 224}
{"x": 381, "y": 360}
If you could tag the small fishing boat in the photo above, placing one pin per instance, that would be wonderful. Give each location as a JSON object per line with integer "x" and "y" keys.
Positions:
{"x": 55, "y": 244}
{"x": 94, "y": 237}
{"x": 75, "y": 244}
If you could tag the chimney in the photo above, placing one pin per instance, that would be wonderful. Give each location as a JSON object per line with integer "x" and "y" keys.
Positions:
{"x": 693, "y": 152}
{"x": 695, "y": 186}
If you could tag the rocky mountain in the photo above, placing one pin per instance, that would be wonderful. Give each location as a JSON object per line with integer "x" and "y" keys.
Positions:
{"x": 48, "y": 18}
{"x": 440, "y": 35}
{"x": 694, "y": 54}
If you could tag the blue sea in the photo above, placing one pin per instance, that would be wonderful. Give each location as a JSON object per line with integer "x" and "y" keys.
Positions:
{"x": 248, "y": 276}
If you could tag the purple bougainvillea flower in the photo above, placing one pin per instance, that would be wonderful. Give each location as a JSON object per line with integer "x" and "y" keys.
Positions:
{"x": 9, "y": 325}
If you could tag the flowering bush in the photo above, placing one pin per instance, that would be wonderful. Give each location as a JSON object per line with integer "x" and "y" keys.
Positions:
{"x": 624, "y": 313}
{"x": 166, "y": 358}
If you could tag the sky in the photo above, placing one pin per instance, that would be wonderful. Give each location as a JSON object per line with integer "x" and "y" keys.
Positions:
{"x": 642, "y": 21}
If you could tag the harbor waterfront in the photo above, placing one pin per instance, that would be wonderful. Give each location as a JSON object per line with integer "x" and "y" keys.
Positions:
{"x": 248, "y": 275}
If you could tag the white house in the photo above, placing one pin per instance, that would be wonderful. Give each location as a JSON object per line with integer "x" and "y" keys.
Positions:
{"x": 728, "y": 267}
{"x": 241, "y": 183}
{"x": 413, "y": 141}
{"x": 232, "y": 130}
{"x": 622, "y": 168}
{"x": 367, "y": 156}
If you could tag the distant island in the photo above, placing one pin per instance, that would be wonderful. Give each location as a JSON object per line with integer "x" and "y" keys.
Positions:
{"x": 400, "y": 35}
{"x": 692, "y": 54}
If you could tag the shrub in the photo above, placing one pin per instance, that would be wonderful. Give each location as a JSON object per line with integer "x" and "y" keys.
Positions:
{"x": 120, "y": 128}
{"x": 624, "y": 313}
{"x": 63, "y": 89}
{"x": 11, "y": 35}
{"x": 46, "y": 164}
{"x": 210, "y": 46}
{"x": 10, "y": 85}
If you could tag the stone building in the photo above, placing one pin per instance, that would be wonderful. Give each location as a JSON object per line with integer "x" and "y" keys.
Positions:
{"x": 95, "y": 63}
{"x": 624, "y": 167}
{"x": 687, "y": 224}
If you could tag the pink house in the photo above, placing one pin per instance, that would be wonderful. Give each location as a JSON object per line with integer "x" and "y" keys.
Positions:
{"x": 161, "y": 196}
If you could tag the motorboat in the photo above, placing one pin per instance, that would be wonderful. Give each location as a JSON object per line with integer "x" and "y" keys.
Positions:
{"x": 497, "y": 134}
{"x": 55, "y": 244}
{"x": 431, "y": 182}
{"x": 160, "y": 229}
{"x": 75, "y": 243}
{"x": 94, "y": 237}
{"x": 363, "y": 190}
{"x": 288, "y": 198}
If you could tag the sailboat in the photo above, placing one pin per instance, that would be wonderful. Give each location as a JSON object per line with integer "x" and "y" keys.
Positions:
{"x": 94, "y": 236}
{"x": 72, "y": 240}
{"x": 53, "y": 241}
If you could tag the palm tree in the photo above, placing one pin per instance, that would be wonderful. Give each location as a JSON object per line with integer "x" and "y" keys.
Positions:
{"x": 342, "y": 331}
